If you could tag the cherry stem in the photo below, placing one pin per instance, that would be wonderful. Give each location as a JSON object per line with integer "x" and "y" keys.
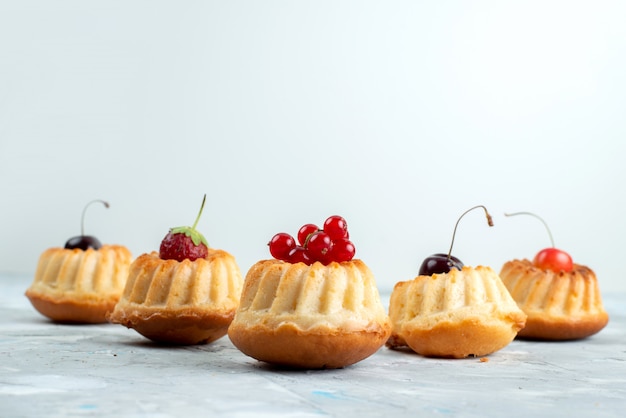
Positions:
{"x": 489, "y": 222}
{"x": 199, "y": 213}
{"x": 82, "y": 218}
{"x": 538, "y": 217}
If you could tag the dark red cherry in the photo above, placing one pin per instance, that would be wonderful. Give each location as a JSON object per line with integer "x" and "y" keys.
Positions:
{"x": 438, "y": 264}
{"x": 443, "y": 263}
{"x": 83, "y": 242}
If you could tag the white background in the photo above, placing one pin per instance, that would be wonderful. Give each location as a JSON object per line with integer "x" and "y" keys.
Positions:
{"x": 398, "y": 115}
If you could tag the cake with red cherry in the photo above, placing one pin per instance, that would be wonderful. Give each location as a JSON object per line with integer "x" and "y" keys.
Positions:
{"x": 561, "y": 298}
{"x": 561, "y": 305}
{"x": 316, "y": 307}
{"x": 186, "y": 293}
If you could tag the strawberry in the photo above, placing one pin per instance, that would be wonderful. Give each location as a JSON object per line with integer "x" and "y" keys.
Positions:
{"x": 185, "y": 242}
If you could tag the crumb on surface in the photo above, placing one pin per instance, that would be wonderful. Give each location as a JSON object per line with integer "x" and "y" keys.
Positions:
{"x": 484, "y": 359}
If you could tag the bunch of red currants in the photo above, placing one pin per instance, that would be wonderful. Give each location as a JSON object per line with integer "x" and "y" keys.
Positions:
{"x": 328, "y": 244}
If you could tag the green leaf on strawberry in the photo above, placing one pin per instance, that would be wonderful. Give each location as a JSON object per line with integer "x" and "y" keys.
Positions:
{"x": 192, "y": 233}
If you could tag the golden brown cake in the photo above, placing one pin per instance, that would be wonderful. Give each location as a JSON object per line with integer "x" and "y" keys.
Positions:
{"x": 180, "y": 302}
{"x": 454, "y": 315}
{"x": 314, "y": 316}
{"x": 560, "y": 306}
{"x": 79, "y": 286}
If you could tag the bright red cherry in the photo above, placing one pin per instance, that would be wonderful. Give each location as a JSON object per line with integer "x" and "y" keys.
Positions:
{"x": 549, "y": 258}
{"x": 305, "y": 231}
{"x": 281, "y": 245}
{"x": 82, "y": 241}
{"x": 336, "y": 226}
{"x": 553, "y": 259}
{"x": 443, "y": 263}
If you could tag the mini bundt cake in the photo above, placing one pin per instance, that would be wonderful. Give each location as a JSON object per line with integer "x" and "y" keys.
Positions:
{"x": 180, "y": 302}
{"x": 461, "y": 313}
{"x": 79, "y": 286}
{"x": 310, "y": 316}
{"x": 562, "y": 305}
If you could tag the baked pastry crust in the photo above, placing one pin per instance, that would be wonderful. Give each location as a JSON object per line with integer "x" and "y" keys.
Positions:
{"x": 311, "y": 317}
{"x": 560, "y": 306}
{"x": 79, "y": 286}
{"x": 186, "y": 302}
{"x": 454, "y": 315}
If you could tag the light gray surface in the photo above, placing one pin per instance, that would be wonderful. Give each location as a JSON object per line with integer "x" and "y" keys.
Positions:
{"x": 55, "y": 370}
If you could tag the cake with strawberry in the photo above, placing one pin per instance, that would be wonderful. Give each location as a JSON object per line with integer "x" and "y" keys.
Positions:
{"x": 313, "y": 306}
{"x": 81, "y": 282}
{"x": 186, "y": 293}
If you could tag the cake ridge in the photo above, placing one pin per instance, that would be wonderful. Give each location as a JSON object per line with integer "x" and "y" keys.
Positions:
{"x": 285, "y": 297}
{"x": 178, "y": 285}
{"x": 160, "y": 288}
{"x": 135, "y": 291}
{"x": 68, "y": 269}
{"x": 308, "y": 298}
{"x": 352, "y": 295}
{"x": 86, "y": 267}
{"x": 259, "y": 300}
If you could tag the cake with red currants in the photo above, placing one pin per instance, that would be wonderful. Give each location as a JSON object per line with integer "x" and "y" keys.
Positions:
{"x": 561, "y": 298}
{"x": 81, "y": 282}
{"x": 453, "y": 311}
{"x": 313, "y": 306}
{"x": 186, "y": 293}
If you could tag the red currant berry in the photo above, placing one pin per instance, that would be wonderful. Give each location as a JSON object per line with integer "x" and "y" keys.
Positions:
{"x": 342, "y": 250}
{"x": 305, "y": 231}
{"x": 318, "y": 246}
{"x": 336, "y": 226}
{"x": 281, "y": 245}
{"x": 299, "y": 255}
